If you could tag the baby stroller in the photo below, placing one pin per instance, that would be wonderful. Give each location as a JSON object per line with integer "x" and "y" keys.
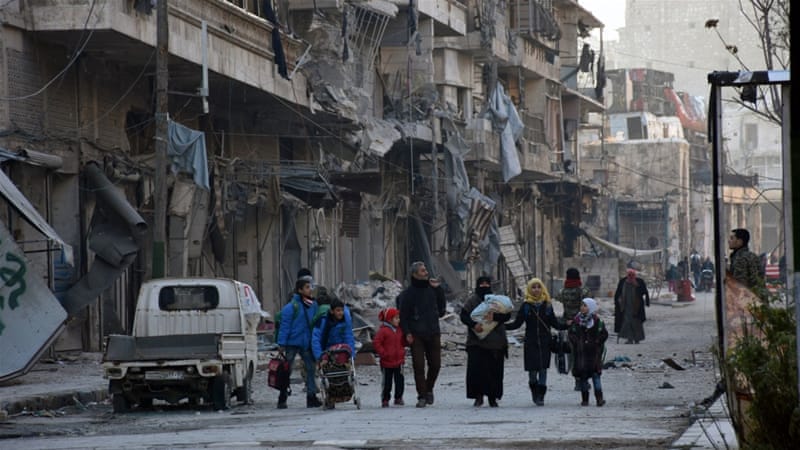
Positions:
{"x": 337, "y": 376}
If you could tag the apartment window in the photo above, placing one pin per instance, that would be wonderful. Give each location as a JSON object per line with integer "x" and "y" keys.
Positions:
{"x": 636, "y": 129}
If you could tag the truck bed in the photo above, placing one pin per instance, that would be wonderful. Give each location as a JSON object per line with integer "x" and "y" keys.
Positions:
{"x": 122, "y": 348}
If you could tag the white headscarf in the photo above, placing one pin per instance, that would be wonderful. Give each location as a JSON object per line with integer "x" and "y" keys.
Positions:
{"x": 587, "y": 320}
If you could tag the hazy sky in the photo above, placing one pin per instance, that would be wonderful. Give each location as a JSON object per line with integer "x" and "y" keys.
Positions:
{"x": 610, "y": 12}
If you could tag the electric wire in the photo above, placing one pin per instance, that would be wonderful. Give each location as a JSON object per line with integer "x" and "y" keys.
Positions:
{"x": 67, "y": 67}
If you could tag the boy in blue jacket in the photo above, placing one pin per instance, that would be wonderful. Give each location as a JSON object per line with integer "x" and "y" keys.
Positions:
{"x": 294, "y": 337}
{"x": 335, "y": 327}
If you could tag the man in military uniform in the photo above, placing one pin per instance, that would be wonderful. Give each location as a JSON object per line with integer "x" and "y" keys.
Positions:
{"x": 744, "y": 263}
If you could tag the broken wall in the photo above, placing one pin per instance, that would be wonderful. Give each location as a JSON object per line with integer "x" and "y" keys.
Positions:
{"x": 599, "y": 274}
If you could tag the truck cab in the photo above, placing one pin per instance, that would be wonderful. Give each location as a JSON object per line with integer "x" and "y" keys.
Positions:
{"x": 193, "y": 338}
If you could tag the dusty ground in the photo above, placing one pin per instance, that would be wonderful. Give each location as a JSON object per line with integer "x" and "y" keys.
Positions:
{"x": 649, "y": 404}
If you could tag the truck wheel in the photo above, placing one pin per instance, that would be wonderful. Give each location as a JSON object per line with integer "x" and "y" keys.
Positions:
{"x": 120, "y": 403}
{"x": 221, "y": 392}
{"x": 244, "y": 393}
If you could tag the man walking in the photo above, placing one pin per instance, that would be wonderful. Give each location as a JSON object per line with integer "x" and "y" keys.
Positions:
{"x": 421, "y": 305}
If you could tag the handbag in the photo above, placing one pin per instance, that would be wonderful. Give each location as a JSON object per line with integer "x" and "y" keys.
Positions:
{"x": 278, "y": 372}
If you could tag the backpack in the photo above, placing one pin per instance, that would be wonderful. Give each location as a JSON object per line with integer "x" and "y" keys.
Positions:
{"x": 321, "y": 311}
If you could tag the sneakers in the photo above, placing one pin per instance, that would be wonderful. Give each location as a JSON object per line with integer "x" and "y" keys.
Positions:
{"x": 421, "y": 403}
{"x": 399, "y": 402}
{"x": 384, "y": 403}
{"x": 429, "y": 398}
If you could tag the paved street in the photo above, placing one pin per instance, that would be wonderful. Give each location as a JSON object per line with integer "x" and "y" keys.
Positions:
{"x": 649, "y": 406}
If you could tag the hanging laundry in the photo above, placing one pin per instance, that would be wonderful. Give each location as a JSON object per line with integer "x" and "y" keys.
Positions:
{"x": 601, "y": 77}
{"x": 186, "y": 149}
{"x": 277, "y": 45}
{"x": 587, "y": 59}
{"x": 346, "y": 50}
{"x": 412, "y": 20}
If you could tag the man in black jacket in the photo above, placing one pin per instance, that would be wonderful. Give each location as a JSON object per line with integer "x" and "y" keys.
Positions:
{"x": 421, "y": 305}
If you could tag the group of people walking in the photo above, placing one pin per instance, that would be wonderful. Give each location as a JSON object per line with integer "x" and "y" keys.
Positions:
{"x": 586, "y": 331}
{"x": 414, "y": 323}
{"x": 307, "y": 328}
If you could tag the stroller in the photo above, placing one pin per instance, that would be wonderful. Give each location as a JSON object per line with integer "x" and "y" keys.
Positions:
{"x": 337, "y": 376}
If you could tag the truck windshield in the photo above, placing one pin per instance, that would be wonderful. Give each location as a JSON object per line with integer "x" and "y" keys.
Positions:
{"x": 183, "y": 298}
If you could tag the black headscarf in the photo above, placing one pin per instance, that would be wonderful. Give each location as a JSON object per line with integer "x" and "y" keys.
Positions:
{"x": 480, "y": 290}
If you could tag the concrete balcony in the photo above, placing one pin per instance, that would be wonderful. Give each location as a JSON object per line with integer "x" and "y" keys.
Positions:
{"x": 535, "y": 160}
{"x": 533, "y": 59}
{"x": 484, "y": 144}
{"x": 239, "y": 42}
{"x": 449, "y": 16}
{"x": 471, "y": 45}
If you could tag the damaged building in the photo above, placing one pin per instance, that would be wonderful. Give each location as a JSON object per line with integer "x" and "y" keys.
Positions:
{"x": 349, "y": 137}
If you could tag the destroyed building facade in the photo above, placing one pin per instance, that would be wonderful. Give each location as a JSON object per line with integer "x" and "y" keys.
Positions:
{"x": 349, "y": 137}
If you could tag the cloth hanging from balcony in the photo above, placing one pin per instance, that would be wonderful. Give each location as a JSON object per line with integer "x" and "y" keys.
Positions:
{"x": 587, "y": 59}
{"x": 506, "y": 119}
{"x": 412, "y": 20}
{"x": 277, "y": 45}
{"x": 186, "y": 150}
{"x": 601, "y": 77}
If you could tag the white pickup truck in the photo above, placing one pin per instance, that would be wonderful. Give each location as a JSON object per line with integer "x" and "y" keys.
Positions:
{"x": 193, "y": 338}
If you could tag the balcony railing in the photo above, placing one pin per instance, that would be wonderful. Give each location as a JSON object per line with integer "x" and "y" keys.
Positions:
{"x": 483, "y": 142}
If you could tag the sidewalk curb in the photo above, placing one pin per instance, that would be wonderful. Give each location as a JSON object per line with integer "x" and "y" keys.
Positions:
{"x": 53, "y": 400}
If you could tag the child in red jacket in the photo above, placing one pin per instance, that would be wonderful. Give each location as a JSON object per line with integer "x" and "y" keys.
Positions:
{"x": 390, "y": 343}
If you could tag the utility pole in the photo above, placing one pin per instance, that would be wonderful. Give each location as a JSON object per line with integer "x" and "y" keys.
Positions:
{"x": 162, "y": 111}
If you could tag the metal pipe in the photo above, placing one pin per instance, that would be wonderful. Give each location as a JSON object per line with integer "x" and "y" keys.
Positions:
{"x": 717, "y": 169}
{"x": 789, "y": 185}
{"x": 111, "y": 197}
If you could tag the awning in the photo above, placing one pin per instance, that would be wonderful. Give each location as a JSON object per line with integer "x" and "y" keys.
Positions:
{"x": 18, "y": 200}
{"x": 626, "y": 250}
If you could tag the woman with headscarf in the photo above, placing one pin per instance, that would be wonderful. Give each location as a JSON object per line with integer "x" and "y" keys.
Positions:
{"x": 485, "y": 357}
{"x": 588, "y": 335}
{"x": 629, "y": 303}
{"x": 537, "y": 314}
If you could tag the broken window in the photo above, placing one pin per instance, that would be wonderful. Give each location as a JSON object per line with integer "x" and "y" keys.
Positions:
{"x": 187, "y": 298}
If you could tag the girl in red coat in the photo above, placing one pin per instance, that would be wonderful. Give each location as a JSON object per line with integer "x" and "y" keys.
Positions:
{"x": 390, "y": 343}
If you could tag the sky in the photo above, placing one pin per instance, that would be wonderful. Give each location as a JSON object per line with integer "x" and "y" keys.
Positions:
{"x": 610, "y": 12}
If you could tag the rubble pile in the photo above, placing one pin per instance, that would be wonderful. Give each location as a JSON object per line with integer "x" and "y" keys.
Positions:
{"x": 372, "y": 295}
{"x": 366, "y": 299}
